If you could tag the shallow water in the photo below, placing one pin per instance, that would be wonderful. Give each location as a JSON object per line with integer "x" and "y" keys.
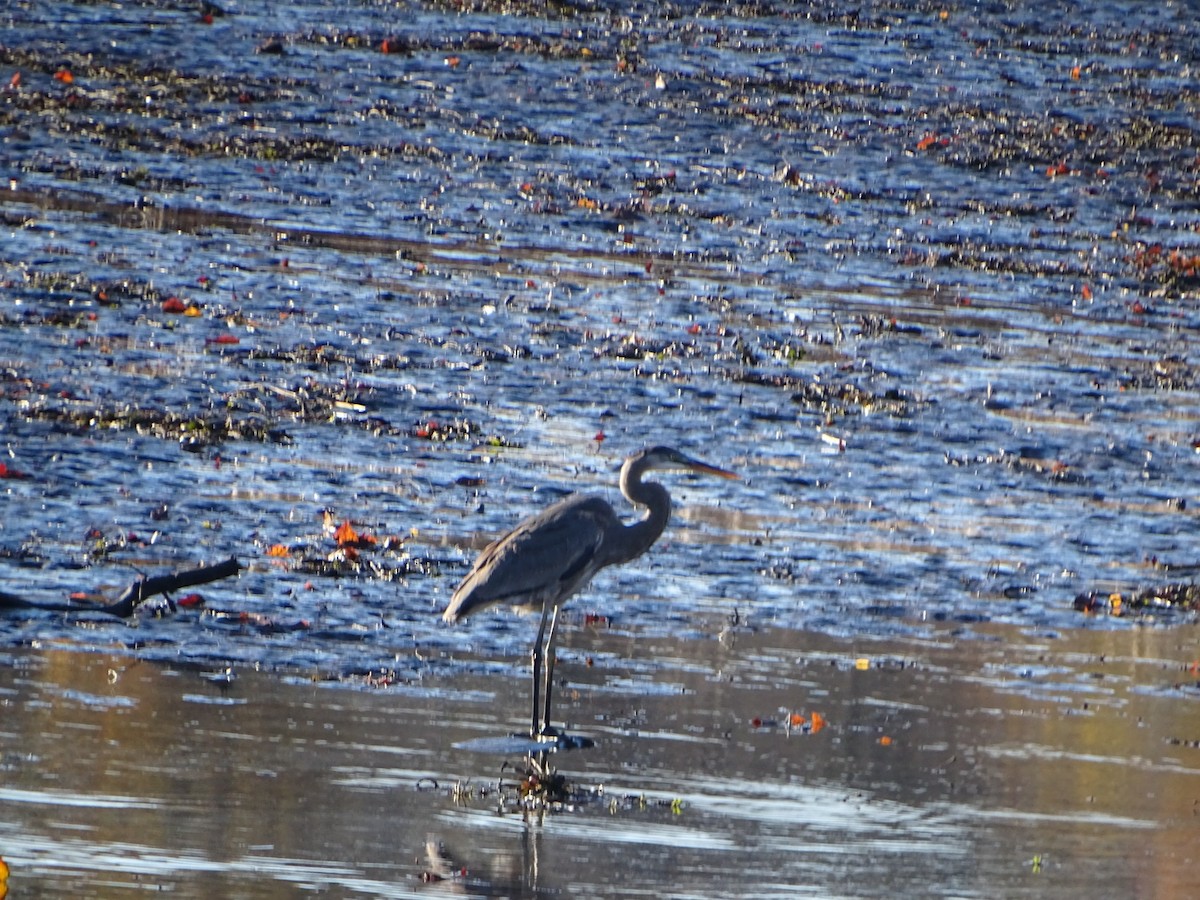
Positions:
{"x": 923, "y": 276}
{"x": 1012, "y": 763}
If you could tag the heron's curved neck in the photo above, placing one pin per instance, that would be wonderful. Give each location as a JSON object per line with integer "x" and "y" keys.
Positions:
{"x": 657, "y": 502}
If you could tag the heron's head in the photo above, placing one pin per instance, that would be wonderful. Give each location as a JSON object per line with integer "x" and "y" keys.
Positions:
{"x": 670, "y": 459}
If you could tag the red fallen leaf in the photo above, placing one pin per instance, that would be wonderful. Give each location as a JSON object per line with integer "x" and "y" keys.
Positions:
{"x": 190, "y": 600}
{"x": 6, "y": 472}
{"x": 15, "y": 81}
{"x": 174, "y": 305}
{"x": 695, "y": 328}
{"x": 64, "y": 76}
{"x": 599, "y": 437}
{"x": 1086, "y": 292}
{"x": 223, "y": 339}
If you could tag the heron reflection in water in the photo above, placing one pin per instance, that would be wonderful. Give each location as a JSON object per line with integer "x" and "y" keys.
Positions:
{"x": 551, "y": 556}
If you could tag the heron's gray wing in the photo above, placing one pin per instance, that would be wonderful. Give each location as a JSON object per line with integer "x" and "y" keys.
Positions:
{"x": 544, "y": 559}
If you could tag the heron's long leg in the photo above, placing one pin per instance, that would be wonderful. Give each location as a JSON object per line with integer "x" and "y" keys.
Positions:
{"x": 549, "y": 672}
{"x": 538, "y": 659}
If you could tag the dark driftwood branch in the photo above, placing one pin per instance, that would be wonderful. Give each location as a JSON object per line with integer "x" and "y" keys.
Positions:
{"x": 138, "y": 592}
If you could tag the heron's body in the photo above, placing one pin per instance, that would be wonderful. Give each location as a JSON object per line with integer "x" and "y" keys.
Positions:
{"x": 551, "y": 556}
{"x": 548, "y": 557}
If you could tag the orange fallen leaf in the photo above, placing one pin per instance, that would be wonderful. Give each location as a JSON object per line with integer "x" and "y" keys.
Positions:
{"x": 796, "y": 720}
{"x": 277, "y": 550}
{"x": 64, "y": 76}
{"x": 885, "y": 741}
{"x": 346, "y": 534}
{"x": 818, "y": 722}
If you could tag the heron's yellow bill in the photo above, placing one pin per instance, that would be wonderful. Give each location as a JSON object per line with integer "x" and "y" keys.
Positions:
{"x": 704, "y": 468}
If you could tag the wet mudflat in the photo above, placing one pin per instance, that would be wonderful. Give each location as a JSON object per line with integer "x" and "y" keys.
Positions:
{"x": 344, "y": 292}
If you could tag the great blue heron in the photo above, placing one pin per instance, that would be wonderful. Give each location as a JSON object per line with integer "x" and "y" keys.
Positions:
{"x": 552, "y": 555}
